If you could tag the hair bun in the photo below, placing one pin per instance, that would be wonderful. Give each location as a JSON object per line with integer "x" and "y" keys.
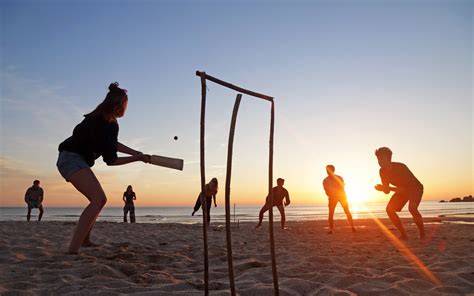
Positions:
{"x": 114, "y": 86}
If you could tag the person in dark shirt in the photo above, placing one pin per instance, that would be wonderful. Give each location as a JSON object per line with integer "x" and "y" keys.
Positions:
{"x": 34, "y": 199}
{"x": 210, "y": 192}
{"x": 408, "y": 189}
{"x": 279, "y": 193}
{"x": 128, "y": 198}
{"x": 334, "y": 187}
{"x": 95, "y": 136}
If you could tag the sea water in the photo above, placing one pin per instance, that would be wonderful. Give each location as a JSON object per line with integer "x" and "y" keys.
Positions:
{"x": 242, "y": 214}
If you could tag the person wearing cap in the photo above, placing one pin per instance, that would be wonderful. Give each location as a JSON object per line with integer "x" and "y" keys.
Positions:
{"x": 334, "y": 188}
{"x": 279, "y": 193}
{"x": 34, "y": 199}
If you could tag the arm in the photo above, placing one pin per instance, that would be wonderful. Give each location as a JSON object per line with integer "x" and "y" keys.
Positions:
{"x": 127, "y": 150}
{"x": 287, "y": 198}
{"x": 128, "y": 159}
{"x": 123, "y": 197}
{"x": 215, "y": 204}
{"x": 41, "y": 197}
{"x": 26, "y": 195}
{"x": 134, "y": 196}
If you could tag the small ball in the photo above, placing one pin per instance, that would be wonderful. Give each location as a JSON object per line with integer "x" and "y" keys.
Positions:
{"x": 175, "y": 138}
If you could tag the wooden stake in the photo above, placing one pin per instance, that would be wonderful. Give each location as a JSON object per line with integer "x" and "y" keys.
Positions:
{"x": 230, "y": 148}
{"x": 270, "y": 212}
{"x": 203, "y": 186}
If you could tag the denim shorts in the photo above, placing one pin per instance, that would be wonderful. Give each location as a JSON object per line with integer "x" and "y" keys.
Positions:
{"x": 69, "y": 162}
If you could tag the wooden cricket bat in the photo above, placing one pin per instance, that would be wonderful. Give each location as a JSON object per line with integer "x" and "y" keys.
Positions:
{"x": 167, "y": 162}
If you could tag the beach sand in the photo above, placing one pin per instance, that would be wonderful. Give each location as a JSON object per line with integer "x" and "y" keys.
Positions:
{"x": 164, "y": 259}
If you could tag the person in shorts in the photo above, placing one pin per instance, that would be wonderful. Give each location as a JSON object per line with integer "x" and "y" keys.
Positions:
{"x": 279, "y": 194}
{"x": 407, "y": 189}
{"x": 95, "y": 136}
{"x": 34, "y": 199}
{"x": 334, "y": 187}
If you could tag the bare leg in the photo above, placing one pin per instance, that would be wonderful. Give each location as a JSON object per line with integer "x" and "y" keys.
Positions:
{"x": 332, "y": 207}
{"x": 28, "y": 215}
{"x": 392, "y": 214}
{"x": 413, "y": 208}
{"x": 40, "y": 213}
{"x": 260, "y": 215}
{"x": 85, "y": 181}
{"x": 281, "y": 208}
{"x": 349, "y": 216}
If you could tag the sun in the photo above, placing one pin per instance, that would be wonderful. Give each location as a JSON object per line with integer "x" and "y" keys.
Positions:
{"x": 358, "y": 195}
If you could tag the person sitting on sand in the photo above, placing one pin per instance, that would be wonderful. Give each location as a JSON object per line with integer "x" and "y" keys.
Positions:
{"x": 210, "y": 192}
{"x": 334, "y": 187}
{"x": 279, "y": 193}
{"x": 34, "y": 199}
{"x": 408, "y": 188}
{"x": 128, "y": 198}
{"x": 95, "y": 136}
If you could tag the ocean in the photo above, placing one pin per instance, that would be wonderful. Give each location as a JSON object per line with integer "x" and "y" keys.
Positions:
{"x": 242, "y": 214}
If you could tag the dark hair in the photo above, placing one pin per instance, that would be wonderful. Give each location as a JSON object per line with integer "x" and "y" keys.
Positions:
{"x": 330, "y": 167}
{"x": 280, "y": 180}
{"x": 214, "y": 180}
{"x": 129, "y": 186}
{"x": 115, "y": 98}
{"x": 383, "y": 151}
{"x": 36, "y": 182}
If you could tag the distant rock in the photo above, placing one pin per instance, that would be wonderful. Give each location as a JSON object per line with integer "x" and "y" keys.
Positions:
{"x": 442, "y": 200}
{"x": 464, "y": 199}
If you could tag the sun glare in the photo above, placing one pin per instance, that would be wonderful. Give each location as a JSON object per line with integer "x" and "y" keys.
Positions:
{"x": 358, "y": 195}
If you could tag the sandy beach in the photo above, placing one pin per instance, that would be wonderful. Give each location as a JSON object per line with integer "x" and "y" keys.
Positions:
{"x": 164, "y": 259}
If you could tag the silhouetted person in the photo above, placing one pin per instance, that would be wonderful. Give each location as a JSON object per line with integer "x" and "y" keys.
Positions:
{"x": 210, "y": 192}
{"x": 95, "y": 136}
{"x": 408, "y": 188}
{"x": 334, "y": 187}
{"x": 128, "y": 198}
{"x": 279, "y": 193}
{"x": 34, "y": 199}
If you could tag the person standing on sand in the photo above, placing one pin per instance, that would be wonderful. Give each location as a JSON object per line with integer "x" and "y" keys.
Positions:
{"x": 34, "y": 199}
{"x": 279, "y": 193}
{"x": 95, "y": 136}
{"x": 334, "y": 187}
{"x": 128, "y": 198}
{"x": 210, "y": 192}
{"x": 408, "y": 188}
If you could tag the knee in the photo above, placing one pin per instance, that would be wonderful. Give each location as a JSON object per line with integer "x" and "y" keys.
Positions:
{"x": 414, "y": 211}
{"x": 390, "y": 210}
{"x": 100, "y": 201}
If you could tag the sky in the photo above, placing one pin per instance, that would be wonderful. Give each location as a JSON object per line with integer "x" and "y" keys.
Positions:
{"x": 347, "y": 77}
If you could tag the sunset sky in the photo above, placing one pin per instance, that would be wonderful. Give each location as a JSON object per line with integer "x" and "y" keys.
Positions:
{"x": 347, "y": 77}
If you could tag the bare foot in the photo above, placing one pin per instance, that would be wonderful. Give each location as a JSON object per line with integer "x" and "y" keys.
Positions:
{"x": 89, "y": 244}
{"x": 422, "y": 236}
{"x": 353, "y": 229}
{"x": 330, "y": 231}
{"x": 72, "y": 253}
{"x": 258, "y": 226}
{"x": 285, "y": 228}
